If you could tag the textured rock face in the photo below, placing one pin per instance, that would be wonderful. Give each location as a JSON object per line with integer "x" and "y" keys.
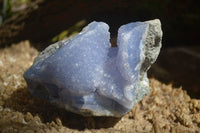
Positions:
{"x": 85, "y": 75}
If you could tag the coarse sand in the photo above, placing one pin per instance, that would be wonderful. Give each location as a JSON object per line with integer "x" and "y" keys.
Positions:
{"x": 164, "y": 109}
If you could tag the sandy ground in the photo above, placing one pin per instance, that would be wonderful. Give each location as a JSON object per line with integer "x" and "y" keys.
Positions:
{"x": 164, "y": 109}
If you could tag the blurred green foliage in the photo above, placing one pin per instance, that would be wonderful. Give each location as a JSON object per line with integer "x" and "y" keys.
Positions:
{"x": 6, "y": 7}
{"x": 73, "y": 30}
{"x": 17, "y": 3}
{"x": 5, "y": 10}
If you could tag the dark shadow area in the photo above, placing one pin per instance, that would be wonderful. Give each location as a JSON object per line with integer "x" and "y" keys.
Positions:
{"x": 23, "y": 102}
{"x": 42, "y": 20}
{"x": 179, "y": 66}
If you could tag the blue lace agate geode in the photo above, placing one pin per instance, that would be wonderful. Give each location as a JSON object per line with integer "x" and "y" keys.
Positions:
{"x": 85, "y": 75}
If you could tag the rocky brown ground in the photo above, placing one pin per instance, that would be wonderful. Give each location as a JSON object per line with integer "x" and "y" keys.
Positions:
{"x": 164, "y": 109}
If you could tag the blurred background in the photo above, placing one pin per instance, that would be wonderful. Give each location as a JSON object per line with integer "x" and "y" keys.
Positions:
{"x": 43, "y": 22}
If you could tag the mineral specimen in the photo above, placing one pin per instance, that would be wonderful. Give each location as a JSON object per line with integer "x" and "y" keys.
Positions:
{"x": 85, "y": 75}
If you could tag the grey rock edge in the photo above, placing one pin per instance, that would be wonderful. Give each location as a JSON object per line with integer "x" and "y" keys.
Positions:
{"x": 85, "y": 75}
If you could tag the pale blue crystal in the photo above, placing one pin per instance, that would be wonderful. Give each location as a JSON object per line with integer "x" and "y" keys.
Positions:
{"x": 85, "y": 75}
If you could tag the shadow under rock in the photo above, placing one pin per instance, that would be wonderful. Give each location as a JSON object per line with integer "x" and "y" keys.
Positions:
{"x": 179, "y": 66}
{"x": 22, "y": 101}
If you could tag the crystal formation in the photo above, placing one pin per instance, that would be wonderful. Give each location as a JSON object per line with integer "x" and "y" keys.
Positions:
{"x": 85, "y": 75}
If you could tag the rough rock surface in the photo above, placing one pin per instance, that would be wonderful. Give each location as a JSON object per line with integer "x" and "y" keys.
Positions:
{"x": 85, "y": 75}
{"x": 164, "y": 109}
